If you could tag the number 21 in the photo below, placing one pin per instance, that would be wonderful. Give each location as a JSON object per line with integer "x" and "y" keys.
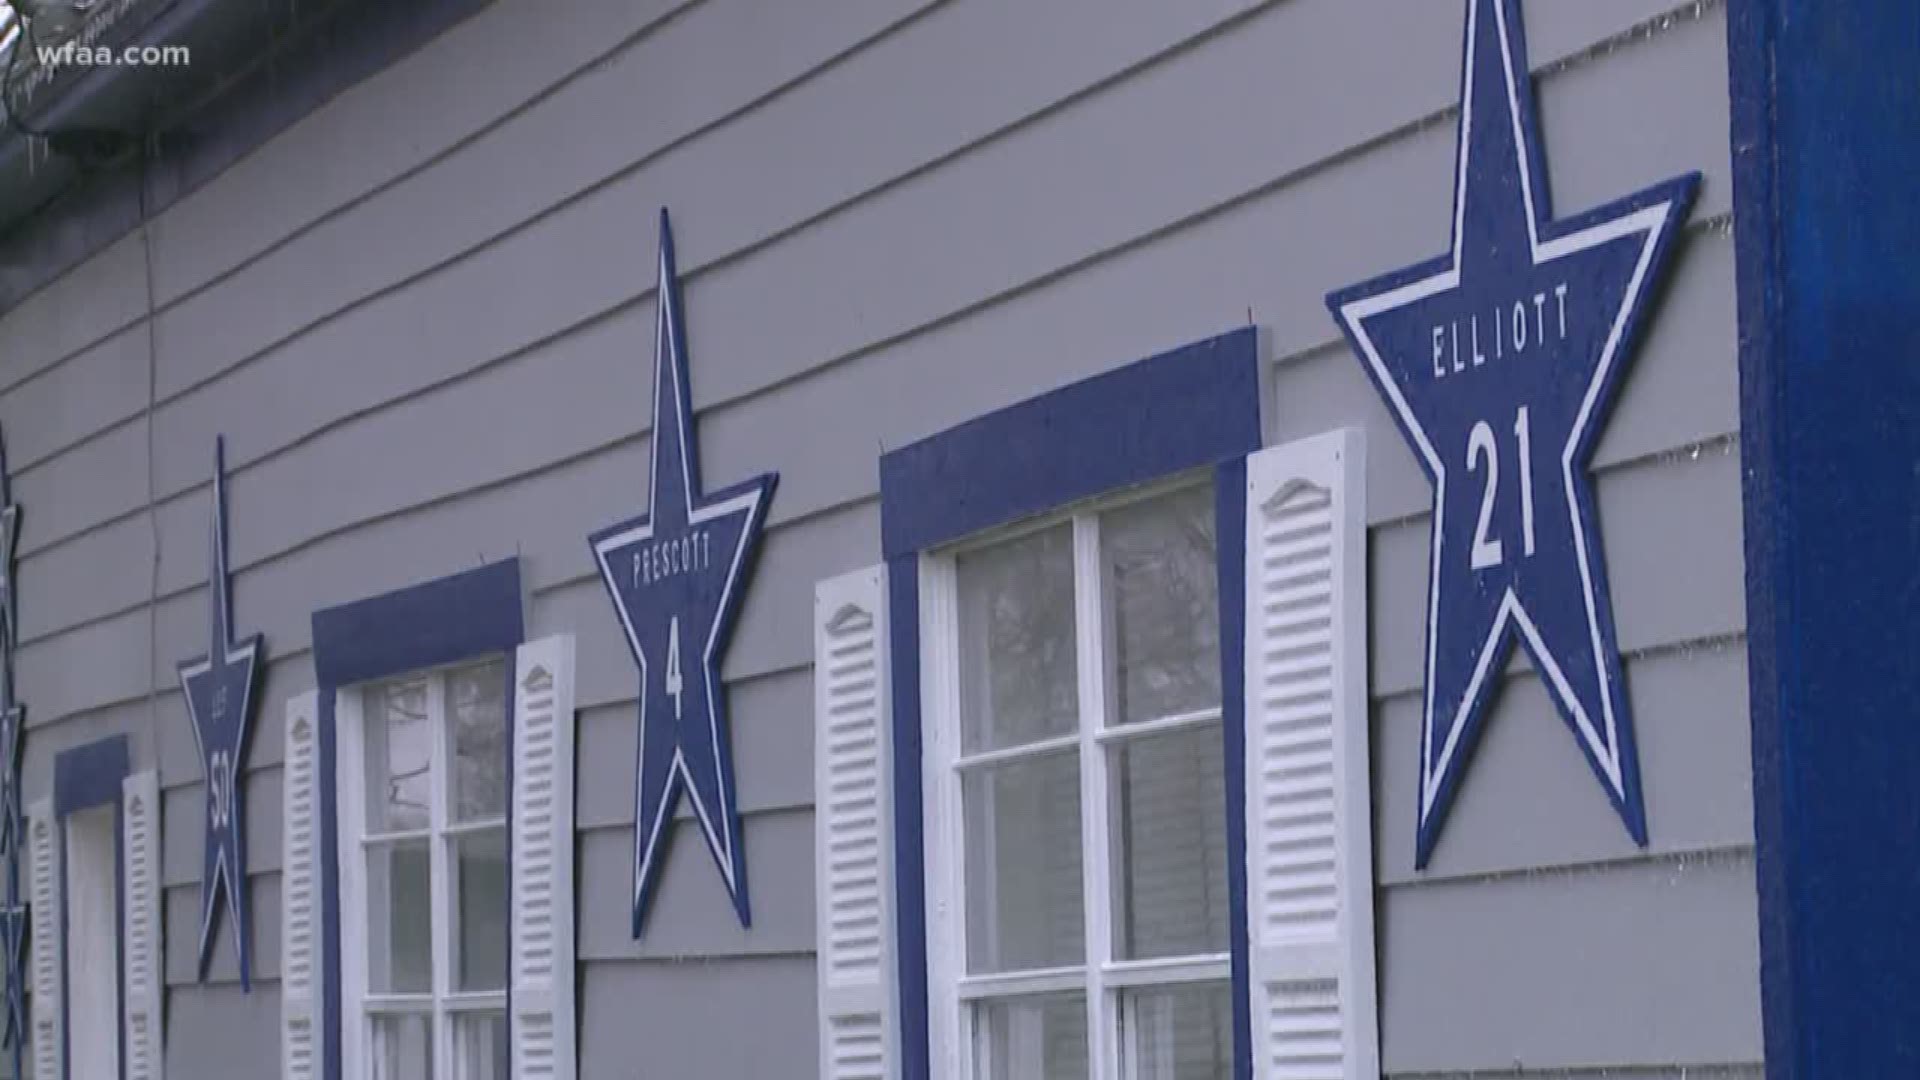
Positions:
{"x": 1487, "y": 552}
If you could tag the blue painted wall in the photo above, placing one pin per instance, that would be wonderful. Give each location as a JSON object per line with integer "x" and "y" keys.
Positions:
{"x": 1827, "y": 147}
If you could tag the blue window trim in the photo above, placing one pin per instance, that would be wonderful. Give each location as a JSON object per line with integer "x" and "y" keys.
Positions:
{"x": 1829, "y": 310}
{"x": 1191, "y": 408}
{"x": 465, "y": 616}
{"x": 87, "y": 778}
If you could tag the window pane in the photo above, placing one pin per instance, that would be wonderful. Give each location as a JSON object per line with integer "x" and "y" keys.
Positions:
{"x": 399, "y": 746}
{"x": 399, "y": 919}
{"x": 403, "y": 1047}
{"x": 480, "y": 866}
{"x": 1017, "y": 669}
{"x": 1179, "y": 1032}
{"x": 1043, "y": 1037}
{"x": 1164, "y": 600}
{"x": 1024, "y": 904}
{"x": 480, "y": 1046}
{"x": 477, "y": 708}
{"x": 1170, "y": 844}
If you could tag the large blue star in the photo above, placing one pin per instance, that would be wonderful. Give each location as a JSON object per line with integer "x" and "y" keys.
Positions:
{"x": 219, "y": 695}
{"x": 676, "y": 576}
{"x": 1500, "y": 361}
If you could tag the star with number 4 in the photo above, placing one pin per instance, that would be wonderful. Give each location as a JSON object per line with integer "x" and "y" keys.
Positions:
{"x": 219, "y": 693}
{"x": 1500, "y": 362}
{"x": 676, "y": 577}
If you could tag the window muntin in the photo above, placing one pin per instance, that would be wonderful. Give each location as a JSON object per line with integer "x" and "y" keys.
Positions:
{"x": 428, "y": 756}
{"x": 1085, "y": 784}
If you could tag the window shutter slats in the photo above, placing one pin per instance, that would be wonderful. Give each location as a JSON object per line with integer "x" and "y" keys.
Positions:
{"x": 543, "y": 1029}
{"x": 1309, "y": 821}
{"x": 43, "y": 857}
{"x": 140, "y": 846}
{"x": 300, "y": 896}
{"x": 852, "y": 827}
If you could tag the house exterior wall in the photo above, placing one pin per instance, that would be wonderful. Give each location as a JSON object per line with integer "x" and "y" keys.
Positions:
{"x": 422, "y": 317}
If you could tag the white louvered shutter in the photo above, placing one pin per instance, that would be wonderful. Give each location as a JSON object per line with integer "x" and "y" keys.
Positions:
{"x": 140, "y": 849}
{"x": 43, "y": 866}
{"x": 853, "y": 834}
{"x": 1309, "y": 821}
{"x": 300, "y": 895}
{"x": 543, "y": 956}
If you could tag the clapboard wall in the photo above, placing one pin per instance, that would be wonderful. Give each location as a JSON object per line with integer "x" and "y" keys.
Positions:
{"x": 423, "y": 318}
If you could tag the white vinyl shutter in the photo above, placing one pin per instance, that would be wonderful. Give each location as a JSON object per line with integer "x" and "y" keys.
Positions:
{"x": 1309, "y": 821}
{"x": 300, "y": 895}
{"x": 43, "y": 866}
{"x": 543, "y": 958}
{"x": 140, "y": 848}
{"x": 853, "y": 881}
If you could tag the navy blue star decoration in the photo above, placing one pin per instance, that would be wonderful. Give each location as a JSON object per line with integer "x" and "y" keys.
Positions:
{"x": 13, "y": 913}
{"x": 219, "y": 693}
{"x": 1500, "y": 362}
{"x": 676, "y": 576}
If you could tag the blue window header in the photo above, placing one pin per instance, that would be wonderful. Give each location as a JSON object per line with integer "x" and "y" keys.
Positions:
{"x": 454, "y": 618}
{"x": 1197, "y": 405}
{"x": 91, "y": 775}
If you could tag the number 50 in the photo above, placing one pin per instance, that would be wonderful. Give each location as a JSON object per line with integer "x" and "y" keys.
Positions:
{"x": 1489, "y": 553}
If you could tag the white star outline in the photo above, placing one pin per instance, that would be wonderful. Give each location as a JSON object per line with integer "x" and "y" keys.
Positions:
{"x": 1651, "y": 220}
{"x": 720, "y": 838}
{"x": 224, "y": 876}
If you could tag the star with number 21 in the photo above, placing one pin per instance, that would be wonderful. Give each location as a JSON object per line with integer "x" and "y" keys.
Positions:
{"x": 1500, "y": 361}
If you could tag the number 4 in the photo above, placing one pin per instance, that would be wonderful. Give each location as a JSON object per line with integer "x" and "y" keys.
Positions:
{"x": 674, "y": 685}
{"x": 1489, "y": 553}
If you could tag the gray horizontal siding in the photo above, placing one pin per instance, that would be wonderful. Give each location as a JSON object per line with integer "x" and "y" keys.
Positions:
{"x": 1643, "y": 965}
{"x": 659, "y": 1017}
{"x": 221, "y": 1032}
{"x": 691, "y": 915}
{"x": 401, "y": 120}
{"x": 435, "y": 352}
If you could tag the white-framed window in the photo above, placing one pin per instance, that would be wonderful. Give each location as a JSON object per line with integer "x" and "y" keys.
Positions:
{"x": 93, "y": 867}
{"x": 424, "y": 795}
{"x": 1052, "y": 698}
{"x": 1076, "y": 774}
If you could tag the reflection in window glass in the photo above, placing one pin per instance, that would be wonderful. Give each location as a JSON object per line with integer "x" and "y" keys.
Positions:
{"x": 1179, "y": 1032}
{"x": 400, "y": 898}
{"x": 480, "y": 1046}
{"x": 1170, "y": 845}
{"x": 1018, "y": 681}
{"x": 399, "y": 749}
{"x": 477, "y": 705}
{"x": 1030, "y": 1038}
{"x": 480, "y": 868}
{"x": 1163, "y": 598}
{"x": 1024, "y": 904}
{"x": 403, "y": 1047}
